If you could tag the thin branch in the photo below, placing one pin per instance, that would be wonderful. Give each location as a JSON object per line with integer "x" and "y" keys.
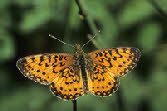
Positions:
{"x": 74, "y": 105}
{"x": 80, "y": 9}
{"x": 159, "y": 10}
{"x": 86, "y": 17}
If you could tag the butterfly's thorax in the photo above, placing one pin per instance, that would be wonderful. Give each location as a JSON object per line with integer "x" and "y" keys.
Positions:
{"x": 80, "y": 58}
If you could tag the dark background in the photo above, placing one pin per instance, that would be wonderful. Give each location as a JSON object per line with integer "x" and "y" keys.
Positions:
{"x": 24, "y": 29}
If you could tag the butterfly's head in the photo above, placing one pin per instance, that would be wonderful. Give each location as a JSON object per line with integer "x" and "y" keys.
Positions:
{"x": 78, "y": 50}
{"x": 77, "y": 47}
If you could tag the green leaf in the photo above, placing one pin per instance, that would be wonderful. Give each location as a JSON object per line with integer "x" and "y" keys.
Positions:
{"x": 134, "y": 12}
{"x": 34, "y": 20}
{"x": 149, "y": 36}
{"x": 7, "y": 46}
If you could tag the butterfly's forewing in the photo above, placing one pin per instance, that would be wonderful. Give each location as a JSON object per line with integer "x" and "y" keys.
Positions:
{"x": 55, "y": 69}
{"x": 108, "y": 64}
{"x": 119, "y": 61}
{"x": 44, "y": 68}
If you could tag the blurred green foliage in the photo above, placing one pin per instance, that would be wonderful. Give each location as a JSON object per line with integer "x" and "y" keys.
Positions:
{"x": 24, "y": 29}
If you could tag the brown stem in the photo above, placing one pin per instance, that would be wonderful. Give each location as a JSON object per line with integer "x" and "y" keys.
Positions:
{"x": 74, "y": 105}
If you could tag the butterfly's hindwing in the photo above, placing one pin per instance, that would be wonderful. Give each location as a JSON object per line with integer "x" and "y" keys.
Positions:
{"x": 102, "y": 82}
{"x": 70, "y": 85}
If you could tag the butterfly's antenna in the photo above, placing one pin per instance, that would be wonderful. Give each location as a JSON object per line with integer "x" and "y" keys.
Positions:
{"x": 60, "y": 40}
{"x": 91, "y": 39}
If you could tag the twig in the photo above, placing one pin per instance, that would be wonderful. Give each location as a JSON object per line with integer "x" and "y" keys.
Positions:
{"x": 80, "y": 9}
{"x": 86, "y": 17}
{"x": 74, "y": 105}
{"x": 159, "y": 10}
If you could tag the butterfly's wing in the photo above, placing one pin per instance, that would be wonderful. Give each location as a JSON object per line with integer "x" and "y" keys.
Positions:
{"x": 107, "y": 65}
{"x": 56, "y": 70}
{"x": 101, "y": 82}
{"x": 69, "y": 85}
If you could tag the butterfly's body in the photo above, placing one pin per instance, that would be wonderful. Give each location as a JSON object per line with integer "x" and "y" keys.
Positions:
{"x": 81, "y": 61}
{"x": 71, "y": 76}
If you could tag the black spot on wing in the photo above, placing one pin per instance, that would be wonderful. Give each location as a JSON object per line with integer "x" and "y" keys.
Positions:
{"x": 46, "y": 65}
{"x": 133, "y": 50}
{"x": 124, "y": 50}
{"x": 137, "y": 54}
{"x": 110, "y": 52}
{"x": 33, "y": 59}
{"x": 100, "y": 54}
{"x": 115, "y": 58}
{"x": 49, "y": 59}
{"x": 41, "y": 59}
{"x": 62, "y": 64}
{"x": 60, "y": 57}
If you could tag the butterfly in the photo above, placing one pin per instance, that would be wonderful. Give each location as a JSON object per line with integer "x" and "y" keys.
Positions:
{"x": 73, "y": 75}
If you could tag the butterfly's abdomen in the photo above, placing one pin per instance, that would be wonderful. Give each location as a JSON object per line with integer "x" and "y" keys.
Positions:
{"x": 83, "y": 72}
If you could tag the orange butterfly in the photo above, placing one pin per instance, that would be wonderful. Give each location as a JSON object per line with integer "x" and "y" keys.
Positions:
{"x": 71, "y": 76}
